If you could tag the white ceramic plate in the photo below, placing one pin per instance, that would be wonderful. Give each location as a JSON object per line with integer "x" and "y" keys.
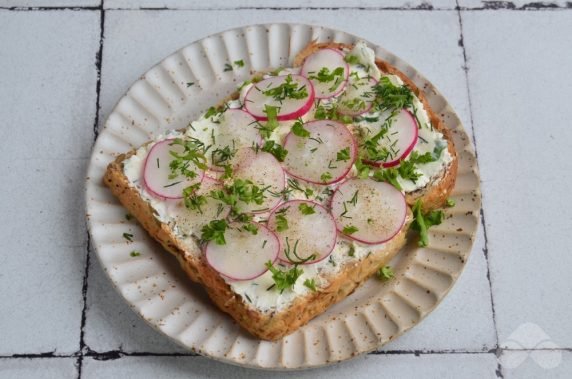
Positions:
{"x": 156, "y": 288}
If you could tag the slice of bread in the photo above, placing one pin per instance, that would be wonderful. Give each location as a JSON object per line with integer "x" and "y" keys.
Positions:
{"x": 272, "y": 325}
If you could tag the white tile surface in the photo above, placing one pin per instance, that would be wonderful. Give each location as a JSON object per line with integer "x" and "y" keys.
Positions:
{"x": 516, "y": 4}
{"x": 131, "y": 47}
{"x": 229, "y": 4}
{"x": 521, "y": 92}
{"x": 47, "y": 92}
{"x": 402, "y": 366}
{"x": 46, "y": 368}
{"x": 538, "y": 364}
{"x": 49, "y": 3}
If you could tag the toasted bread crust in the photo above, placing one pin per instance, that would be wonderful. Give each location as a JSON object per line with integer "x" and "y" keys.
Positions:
{"x": 434, "y": 194}
{"x": 275, "y": 325}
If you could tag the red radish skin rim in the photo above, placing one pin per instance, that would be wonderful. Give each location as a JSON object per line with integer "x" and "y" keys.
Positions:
{"x": 337, "y": 179}
{"x": 396, "y": 162}
{"x": 154, "y": 193}
{"x": 327, "y": 212}
{"x": 342, "y": 84}
{"x": 367, "y": 108}
{"x": 265, "y": 268}
{"x": 341, "y": 233}
{"x": 289, "y": 116}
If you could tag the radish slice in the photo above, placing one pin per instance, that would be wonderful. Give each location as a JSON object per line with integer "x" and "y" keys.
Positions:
{"x": 315, "y": 158}
{"x": 244, "y": 255}
{"x": 156, "y": 171}
{"x": 233, "y": 130}
{"x": 358, "y": 96}
{"x": 368, "y": 211}
{"x": 400, "y": 139}
{"x": 311, "y": 234}
{"x": 256, "y": 100}
{"x": 189, "y": 220}
{"x": 264, "y": 171}
{"x": 330, "y": 60}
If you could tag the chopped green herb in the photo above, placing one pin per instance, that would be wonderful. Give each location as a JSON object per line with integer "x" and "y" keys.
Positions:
{"x": 192, "y": 200}
{"x": 450, "y": 202}
{"x": 227, "y": 67}
{"x": 343, "y": 155}
{"x": 214, "y": 231}
{"x": 135, "y": 253}
{"x": 423, "y": 221}
{"x": 298, "y": 129}
{"x": 306, "y": 209}
{"x": 351, "y": 59}
{"x": 275, "y": 149}
{"x": 241, "y": 190}
{"x": 128, "y": 237}
{"x": 128, "y": 217}
{"x": 287, "y": 90}
{"x": 352, "y": 251}
{"x": 390, "y": 97}
{"x": 385, "y": 273}
{"x": 281, "y": 223}
{"x": 239, "y": 63}
{"x": 220, "y": 156}
{"x": 362, "y": 169}
{"x": 212, "y": 111}
{"x": 193, "y": 153}
{"x": 251, "y": 228}
{"x": 388, "y": 175}
{"x": 272, "y": 122}
{"x": 325, "y": 177}
{"x": 350, "y": 229}
{"x": 284, "y": 279}
{"x": 325, "y": 76}
{"x": 190, "y": 84}
{"x": 311, "y": 284}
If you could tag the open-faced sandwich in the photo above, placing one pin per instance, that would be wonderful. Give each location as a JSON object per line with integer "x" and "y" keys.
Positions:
{"x": 293, "y": 192}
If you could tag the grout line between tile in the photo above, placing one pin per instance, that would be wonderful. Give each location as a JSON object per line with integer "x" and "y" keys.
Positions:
{"x": 487, "y": 6}
{"x": 483, "y": 223}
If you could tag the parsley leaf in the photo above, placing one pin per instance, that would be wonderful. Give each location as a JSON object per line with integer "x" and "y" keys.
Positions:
{"x": 325, "y": 76}
{"x": 239, "y": 63}
{"x": 350, "y": 229}
{"x": 284, "y": 279}
{"x": 135, "y": 253}
{"x": 193, "y": 152}
{"x": 271, "y": 123}
{"x": 281, "y": 223}
{"x": 311, "y": 284}
{"x": 351, "y": 59}
{"x": 343, "y": 155}
{"x": 407, "y": 171}
{"x": 362, "y": 169}
{"x": 388, "y": 175}
{"x": 298, "y": 129}
{"x": 287, "y": 90}
{"x": 241, "y": 190}
{"x": 214, "y": 231}
{"x": 423, "y": 221}
{"x": 306, "y": 209}
{"x": 325, "y": 177}
{"x": 128, "y": 237}
{"x": 451, "y": 202}
{"x": 193, "y": 201}
{"x": 251, "y": 228}
{"x": 385, "y": 273}
{"x": 275, "y": 149}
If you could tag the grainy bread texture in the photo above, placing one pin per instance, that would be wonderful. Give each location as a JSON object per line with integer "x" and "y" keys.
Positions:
{"x": 275, "y": 325}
